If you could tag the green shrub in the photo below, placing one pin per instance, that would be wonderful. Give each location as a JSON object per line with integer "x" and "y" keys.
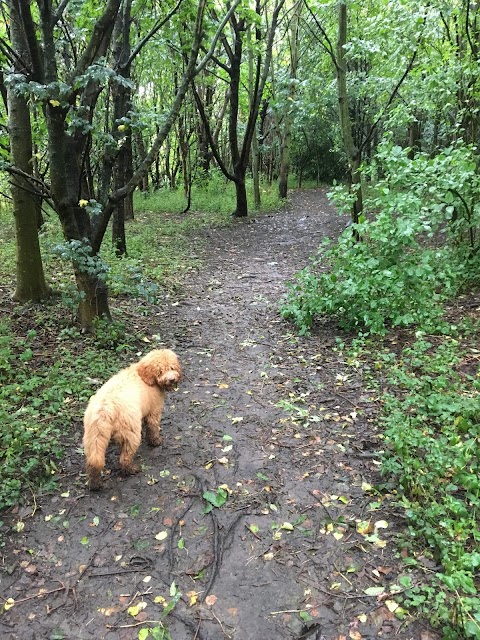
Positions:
{"x": 415, "y": 251}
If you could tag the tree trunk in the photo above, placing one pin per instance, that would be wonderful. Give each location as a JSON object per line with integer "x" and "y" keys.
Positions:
{"x": 94, "y": 303}
{"x": 122, "y": 105}
{"x": 286, "y": 138}
{"x": 241, "y": 209}
{"x": 352, "y": 152}
{"x": 256, "y": 173}
{"x": 30, "y": 283}
{"x": 414, "y": 139}
{"x": 255, "y": 154}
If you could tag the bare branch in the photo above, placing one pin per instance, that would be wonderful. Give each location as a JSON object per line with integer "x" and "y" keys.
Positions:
{"x": 328, "y": 46}
{"x": 158, "y": 25}
{"x": 217, "y": 35}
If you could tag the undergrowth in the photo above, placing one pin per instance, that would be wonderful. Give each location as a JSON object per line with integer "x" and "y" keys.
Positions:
{"x": 42, "y": 393}
{"x": 418, "y": 247}
{"x": 430, "y": 420}
{"x": 432, "y": 435}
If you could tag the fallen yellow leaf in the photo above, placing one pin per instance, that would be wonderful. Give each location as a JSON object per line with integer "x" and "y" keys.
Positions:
{"x": 136, "y": 608}
{"x": 192, "y": 598}
{"x": 8, "y": 604}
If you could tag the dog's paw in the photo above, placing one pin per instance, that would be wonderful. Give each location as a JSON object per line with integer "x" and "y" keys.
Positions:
{"x": 130, "y": 469}
{"x": 155, "y": 441}
{"x": 95, "y": 485}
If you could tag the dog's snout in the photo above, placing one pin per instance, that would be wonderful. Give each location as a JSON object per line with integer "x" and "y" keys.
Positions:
{"x": 170, "y": 379}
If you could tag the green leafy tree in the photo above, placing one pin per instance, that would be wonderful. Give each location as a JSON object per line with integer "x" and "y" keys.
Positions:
{"x": 241, "y": 131}
{"x": 68, "y": 82}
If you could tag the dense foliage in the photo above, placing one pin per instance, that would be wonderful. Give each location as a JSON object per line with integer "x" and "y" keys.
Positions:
{"x": 418, "y": 246}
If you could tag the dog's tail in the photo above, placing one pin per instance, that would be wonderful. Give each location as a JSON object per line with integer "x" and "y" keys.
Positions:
{"x": 98, "y": 431}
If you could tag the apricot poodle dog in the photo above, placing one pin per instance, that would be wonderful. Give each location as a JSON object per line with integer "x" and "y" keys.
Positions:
{"x": 116, "y": 411}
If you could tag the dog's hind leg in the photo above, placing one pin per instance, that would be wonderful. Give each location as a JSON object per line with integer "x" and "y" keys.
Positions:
{"x": 152, "y": 430}
{"x": 95, "y": 448}
{"x": 129, "y": 446}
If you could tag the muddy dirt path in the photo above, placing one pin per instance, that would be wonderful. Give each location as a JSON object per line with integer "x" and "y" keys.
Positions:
{"x": 282, "y": 554}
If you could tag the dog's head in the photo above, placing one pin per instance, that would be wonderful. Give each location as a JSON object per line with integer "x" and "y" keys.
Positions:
{"x": 160, "y": 367}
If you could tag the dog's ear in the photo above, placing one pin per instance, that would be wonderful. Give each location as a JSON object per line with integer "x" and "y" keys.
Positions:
{"x": 148, "y": 373}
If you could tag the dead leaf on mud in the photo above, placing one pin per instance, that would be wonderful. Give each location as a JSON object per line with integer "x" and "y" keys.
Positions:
{"x": 210, "y": 600}
{"x": 109, "y": 611}
{"x": 391, "y": 605}
{"x": 135, "y": 609}
{"x": 162, "y": 535}
{"x": 374, "y": 591}
{"x": 384, "y": 570}
{"x": 28, "y": 567}
{"x": 364, "y": 528}
{"x": 428, "y": 635}
{"x": 379, "y": 616}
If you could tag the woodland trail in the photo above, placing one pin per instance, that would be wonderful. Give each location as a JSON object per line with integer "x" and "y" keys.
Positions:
{"x": 282, "y": 555}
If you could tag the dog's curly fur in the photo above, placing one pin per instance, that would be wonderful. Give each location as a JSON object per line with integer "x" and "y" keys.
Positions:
{"x": 116, "y": 411}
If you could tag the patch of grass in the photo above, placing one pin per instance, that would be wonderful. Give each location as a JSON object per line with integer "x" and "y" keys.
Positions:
{"x": 212, "y": 201}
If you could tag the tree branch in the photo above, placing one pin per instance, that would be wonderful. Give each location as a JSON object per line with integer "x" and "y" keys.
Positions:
{"x": 217, "y": 35}
{"x": 101, "y": 32}
{"x": 329, "y": 49}
{"x": 159, "y": 24}
{"x": 142, "y": 170}
{"x": 210, "y": 138}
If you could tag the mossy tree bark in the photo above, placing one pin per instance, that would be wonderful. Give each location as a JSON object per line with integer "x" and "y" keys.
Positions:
{"x": 30, "y": 279}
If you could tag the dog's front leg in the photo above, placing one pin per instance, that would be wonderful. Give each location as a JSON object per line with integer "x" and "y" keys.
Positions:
{"x": 152, "y": 430}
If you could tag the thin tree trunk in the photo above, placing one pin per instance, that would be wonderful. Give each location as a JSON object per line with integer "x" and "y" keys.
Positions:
{"x": 255, "y": 154}
{"x": 241, "y": 210}
{"x": 286, "y": 138}
{"x": 30, "y": 281}
{"x": 353, "y": 153}
{"x": 94, "y": 302}
{"x": 122, "y": 98}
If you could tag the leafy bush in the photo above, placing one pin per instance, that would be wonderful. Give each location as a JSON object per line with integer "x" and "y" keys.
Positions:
{"x": 417, "y": 247}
